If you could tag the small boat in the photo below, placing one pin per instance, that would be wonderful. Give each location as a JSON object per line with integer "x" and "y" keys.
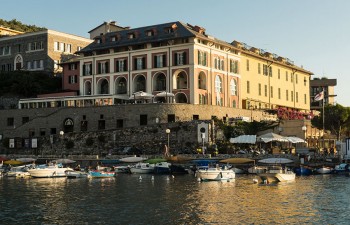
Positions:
{"x": 142, "y": 168}
{"x": 132, "y": 159}
{"x": 122, "y": 169}
{"x": 162, "y": 168}
{"x": 76, "y": 174}
{"x": 18, "y": 171}
{"x": 303, "y": 171}
{"x": 257, "y": 169}
{"x": 275, "y": 174}
{"x": 44, "y": 171}
{"x": 100, "y": 174}
{"x": 215, "y": 174}
{"x": 342, "y": 168}
{"x": 324, "y": 170}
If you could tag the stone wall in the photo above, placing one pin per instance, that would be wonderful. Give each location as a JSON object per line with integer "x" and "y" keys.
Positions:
{"x": 46, "y": 121}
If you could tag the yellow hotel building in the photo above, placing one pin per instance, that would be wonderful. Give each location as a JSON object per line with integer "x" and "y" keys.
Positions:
{"x": 197, "y": 68}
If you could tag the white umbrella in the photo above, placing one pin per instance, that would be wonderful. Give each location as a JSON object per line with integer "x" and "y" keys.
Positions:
{"x": 249, "y": 139}
{"x": 64, "y": 161}
{"x": 165, "y": 94}
{"x": 141, "y": 95}
{"x": 295, "y": 140}
{"x": 268, "y": 137}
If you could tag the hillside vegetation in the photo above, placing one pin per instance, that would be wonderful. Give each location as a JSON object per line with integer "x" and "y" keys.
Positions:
{"x": 28, "y": 84}
{"x": 19, "y": 26}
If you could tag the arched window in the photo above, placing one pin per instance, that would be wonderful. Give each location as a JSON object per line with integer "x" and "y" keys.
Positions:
{"x": 202, "y": 81}
{"x": 233, "y": 87}
{"x": 120, "y": 86}
{"x": 218, "y": 84}
{"x": 87, "y": 88}
{"x": 103, "y": 87}
{"x": 159, "y": 82}
{"x": 140, "y": 83}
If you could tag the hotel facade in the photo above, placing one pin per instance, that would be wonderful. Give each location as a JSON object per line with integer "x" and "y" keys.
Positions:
{"x": 173, "y": 72}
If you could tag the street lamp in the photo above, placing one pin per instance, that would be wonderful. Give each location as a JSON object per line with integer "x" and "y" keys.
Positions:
{"x": 167, "y": 131}
{"x": 62, "y": 136}
{"x": 304, "y": 128}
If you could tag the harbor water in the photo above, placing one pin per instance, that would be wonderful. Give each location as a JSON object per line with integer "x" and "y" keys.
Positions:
{"x": 135, "y": 199}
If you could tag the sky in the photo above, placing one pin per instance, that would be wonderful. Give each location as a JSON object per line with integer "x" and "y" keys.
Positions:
{"x": 315, "y": 34}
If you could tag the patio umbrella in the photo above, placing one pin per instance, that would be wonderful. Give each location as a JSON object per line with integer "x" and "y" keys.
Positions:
{"x": 249, "y": 139}
{"x": 165, "y": 94}
{"x": 64, "y": 161}
{"x": 25, "y": 160}
{"x": 13, "y": 162}
{"x": 268, "y": 137}
{"x": 141, "y": 95}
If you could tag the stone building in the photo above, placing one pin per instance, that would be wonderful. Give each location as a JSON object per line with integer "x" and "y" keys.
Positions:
{"x": 38, "y": 51}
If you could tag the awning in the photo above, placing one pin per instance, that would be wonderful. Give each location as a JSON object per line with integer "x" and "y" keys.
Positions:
{"x": 248, "y": 139}
{"x": 272, "y": 137}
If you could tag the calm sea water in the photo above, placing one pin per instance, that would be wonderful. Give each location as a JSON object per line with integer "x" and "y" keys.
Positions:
{"x": 321, "y": 199}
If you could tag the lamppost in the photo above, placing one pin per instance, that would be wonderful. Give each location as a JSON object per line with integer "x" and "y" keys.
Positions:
{"x": 167, "y": 131}
{"x": 304, "y": 128}
{"x": 62, "y": 137}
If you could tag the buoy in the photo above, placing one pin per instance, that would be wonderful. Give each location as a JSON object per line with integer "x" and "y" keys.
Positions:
{"x": 167, "y": 178}
{"x": 173, "y": 176}
{"x": 199, "y": 180}
{"x": 152, "y": 178}
{"x": 255, "y": 181}
{"x": 140, "y": 178}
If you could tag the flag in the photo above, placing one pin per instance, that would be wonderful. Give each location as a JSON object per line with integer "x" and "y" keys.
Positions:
{"x": 319, "y": 96}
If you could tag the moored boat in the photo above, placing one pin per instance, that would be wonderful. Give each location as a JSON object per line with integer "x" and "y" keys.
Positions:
{"x": 76, "y": 174}
{"x": 215, "y": 174}
{"x": 342, "y": 168}
{"x": 100, "y": 174}
{"x": 142, "y": 168}
{"x": 324, "y": 170}
{"x": 44, "y": 171}
{"x": 277, "y": 174}
{"x": 303, "y": 171}
{"x": 257, "y": 169}
{"x": 162, "y": 168}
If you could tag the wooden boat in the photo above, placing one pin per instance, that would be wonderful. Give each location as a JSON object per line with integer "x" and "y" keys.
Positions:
{"x": 215, "y": 174}
{"x": 100, "y": 174}
{"x": 275, "y": 174}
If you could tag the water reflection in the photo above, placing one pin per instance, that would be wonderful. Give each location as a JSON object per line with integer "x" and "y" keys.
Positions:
{"x": 179, "y": 200}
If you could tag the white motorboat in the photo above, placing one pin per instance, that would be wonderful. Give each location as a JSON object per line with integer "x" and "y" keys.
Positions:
{"x": 18, "y": 171}
{"x": 49, "y": 171}
{"x": 142, "y": 168}
{"x": 324, "y": 170}
{"x": 275, "y": 174}
{"x": 215, "y": 174}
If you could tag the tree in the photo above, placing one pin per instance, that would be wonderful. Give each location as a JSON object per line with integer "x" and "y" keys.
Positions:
{"x": 336, "y": 119}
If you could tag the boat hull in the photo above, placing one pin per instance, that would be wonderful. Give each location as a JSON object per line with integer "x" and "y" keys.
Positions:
{"x": 324, "y": 170}
{"x": 100, "y": 174}
{"x": 215, "y": 174}
{"x": 48, "y": 172}
{"x": 76, "y": 174}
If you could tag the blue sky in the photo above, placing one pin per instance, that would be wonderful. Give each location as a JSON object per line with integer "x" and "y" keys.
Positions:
{"x": 314, "y": 34}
